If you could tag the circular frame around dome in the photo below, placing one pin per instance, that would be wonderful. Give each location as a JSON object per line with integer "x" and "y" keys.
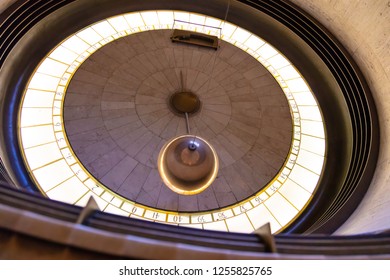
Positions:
{"x": 47, "y": 150}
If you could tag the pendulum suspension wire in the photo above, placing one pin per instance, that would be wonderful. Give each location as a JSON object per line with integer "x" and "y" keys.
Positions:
{"x": 181, "y": 81}
{"x": 187, "y": 123}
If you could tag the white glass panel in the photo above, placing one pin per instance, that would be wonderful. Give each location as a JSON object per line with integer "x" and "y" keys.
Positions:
{"x": 183, "y": 16}
{"x": 76, "y": 45}
{"x": 135, "y": 210}
{"x": 220, "y": 225}
{"x": 53, "y": 174}
{"x": 242, "y": 208}
{"x": 291, "y": 161}
{"x": 67, "y": 154}
{"x": 297, "y": 118}
{"x": 38, "y": 98}
{"x": 128, "y": 206}
{"x": 254, "y": 42}
{"x": 64, "y": 55}
{"x": 100, "y": 202}
{"x": 65, "y": 79}
{"x": 228, "y": 29}
{"x": 134, "y": 20}
{"x": 90, "y": 36}
{"x": 304, "y": 178}
{"x": 311, "y": 161}
{"x": 94, "y": 187}
{"x": 153, "y": 215}
{"x": 52, "y": 67}
{"x": 119, "y": 23}
{"x": 165, "y": 17}
{"x": 198, "y": 19}
{"x": 117, "y": 201}
{"x": 239, "y": 223}
{"x": 288, "y": 72}
{"x": 223, "y": 215}
{"x": 41, "y": 155}
{"x": 310, "y": 113}
{"x": 304, "y": 98}
{"x": 150, "y": 18}
{"x": 60, "y": 139}
{"x": 178, "y": 219}
{"x": 295, "y": 146}
{"x": 147, "y": 28}
{"x": 107, "y": 196}
{"x": 36, "y": 116}
{"x": 297, "y": 136}
{"x": 294, "y": 109}
{"x": 281, "y": 209}
{"x": 279, "y": 62}
{"x": 313, "y": 144}
{"x": 104, "y": 29}
{"x": 69, "y": 191}
{"x": 206, "y": 218}
{"x": 274, "y": 187}
{"x": 297, "y": 85}
{"x": 259, "y": 199}
{"x": 80, "y": 173}
{"x": 60, "y": 93}
{"x": 119, "y": 35}
{"x": 312, "y": 128}
{"x": 57, "y": 108}
{"x": 85, "y": 55}
{"x": 90, "y": 51}
{"x": 267, "y": 51}
{"x": 260, "y": 216}
{"x": 297, "y": 195}
{"x": 214, "y": 22}
{"x": 44, "y": 82}
{"x": 282, "y": 177}
{"x": 57, "y": 122}
{"x": 115, "y": 210}
{"x": 241, "y": 35}
{"x": 37, "y": 135}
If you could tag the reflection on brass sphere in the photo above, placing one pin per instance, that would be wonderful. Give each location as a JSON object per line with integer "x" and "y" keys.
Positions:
{"x": 188, "y": 164}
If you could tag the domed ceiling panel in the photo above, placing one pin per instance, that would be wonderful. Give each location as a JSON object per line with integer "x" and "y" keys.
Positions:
{"x": 118, "y": 117}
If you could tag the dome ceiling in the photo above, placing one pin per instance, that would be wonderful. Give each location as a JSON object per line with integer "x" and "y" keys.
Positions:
{"x": 253, "y": 101}
{"x": 117, "y": 117}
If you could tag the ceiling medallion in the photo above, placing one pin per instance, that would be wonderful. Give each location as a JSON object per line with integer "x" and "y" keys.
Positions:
{"x": 184, "y": 102}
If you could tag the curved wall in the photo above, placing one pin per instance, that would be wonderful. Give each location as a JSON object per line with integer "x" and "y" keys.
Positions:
{"x": 4, "y": 4}
{"x": 363, "y": 27}
{"x": 290, "y": 49}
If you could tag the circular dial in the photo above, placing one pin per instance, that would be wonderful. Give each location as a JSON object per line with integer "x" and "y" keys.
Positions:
{"x": 117, "y": 118}
{"x": 65, "y": 176}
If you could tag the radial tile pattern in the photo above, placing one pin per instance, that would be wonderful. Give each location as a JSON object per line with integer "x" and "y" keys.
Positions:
{"x": 117, "y": 118}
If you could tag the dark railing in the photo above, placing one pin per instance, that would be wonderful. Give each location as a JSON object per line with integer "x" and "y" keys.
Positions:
{"x": 293, "y": 246}
{"x": 20, "y": 17}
